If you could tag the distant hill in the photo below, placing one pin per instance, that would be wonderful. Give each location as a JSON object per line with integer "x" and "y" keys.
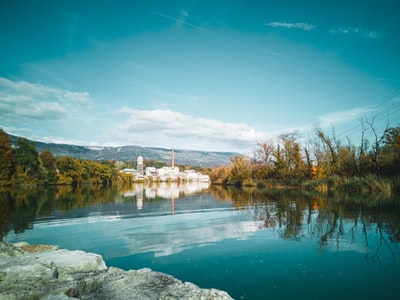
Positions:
{"x": 130, "y": 153}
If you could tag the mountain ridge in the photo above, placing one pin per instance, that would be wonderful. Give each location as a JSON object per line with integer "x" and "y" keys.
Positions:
{"x": 131, "y": 152}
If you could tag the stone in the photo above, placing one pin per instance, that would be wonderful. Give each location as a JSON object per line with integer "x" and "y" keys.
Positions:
{"x": 9, "y": 250}
{"x": 49, "y": 273}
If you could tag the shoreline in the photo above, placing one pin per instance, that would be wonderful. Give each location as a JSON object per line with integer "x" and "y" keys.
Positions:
{"x": 49, "y": 273}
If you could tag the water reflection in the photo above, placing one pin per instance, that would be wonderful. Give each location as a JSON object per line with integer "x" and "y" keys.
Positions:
{"x": 212, "y": 236}
{"x": 341, "y": 223}
{"x": 336, "y": 223}
{"x": 163, "y": 190}
{"x": 20, "y": 208}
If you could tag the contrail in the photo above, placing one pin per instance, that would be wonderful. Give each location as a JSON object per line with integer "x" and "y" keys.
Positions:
{"x": 218, "y": 35}
{"x": 186, "y": 23}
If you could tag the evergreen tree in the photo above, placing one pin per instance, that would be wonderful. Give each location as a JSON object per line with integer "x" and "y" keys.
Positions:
{"x": 26, "y": 156}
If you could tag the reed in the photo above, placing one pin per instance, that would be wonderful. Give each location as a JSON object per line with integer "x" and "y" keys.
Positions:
{"x": 370, "y": 184}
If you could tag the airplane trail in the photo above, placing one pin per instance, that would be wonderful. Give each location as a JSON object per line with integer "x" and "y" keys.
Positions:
{"x": 219, "y": 35}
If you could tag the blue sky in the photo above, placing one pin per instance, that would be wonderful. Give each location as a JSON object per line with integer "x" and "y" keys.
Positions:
{"x": 205, "y": 75}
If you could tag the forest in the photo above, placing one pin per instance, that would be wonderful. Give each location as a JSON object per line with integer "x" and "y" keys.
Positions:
{"x": 23, "y": 165}
{"x": 322, "y": 163}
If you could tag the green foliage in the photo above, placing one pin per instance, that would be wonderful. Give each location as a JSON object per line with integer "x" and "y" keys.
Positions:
{"x": 391, "y": 153}
{"x": 6, "y": 158}
{"x": 153, "y": 163}
{"x": 49, "y": 165}
{"x": 71, "y": 170}
{"x": 26, "y": 156}
{"x": 240, "y": 171}
{"x": 23, "y": 165}
{"x": 97, "y": 173}
{"x": 28, "y": 170}
{"x": 219, "y": 175}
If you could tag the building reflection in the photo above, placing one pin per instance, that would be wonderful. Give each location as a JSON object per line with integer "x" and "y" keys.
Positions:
{"x": 139, "y": 201}
{"x": 164, "y": 190}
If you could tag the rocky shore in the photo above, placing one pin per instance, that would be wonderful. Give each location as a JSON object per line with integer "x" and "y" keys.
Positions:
{"x": 46, "y": 272}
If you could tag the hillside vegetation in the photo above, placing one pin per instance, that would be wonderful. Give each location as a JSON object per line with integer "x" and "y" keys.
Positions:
{"x": 130, "y": 153}
{"x": 25, "y": 162}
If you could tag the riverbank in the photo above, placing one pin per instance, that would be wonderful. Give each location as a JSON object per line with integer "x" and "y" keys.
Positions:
{"x": 46, "y": 272}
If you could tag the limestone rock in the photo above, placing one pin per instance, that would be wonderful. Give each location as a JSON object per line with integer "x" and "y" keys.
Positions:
{"x": 9, "y": 250}
{"x": 52, "y": 274}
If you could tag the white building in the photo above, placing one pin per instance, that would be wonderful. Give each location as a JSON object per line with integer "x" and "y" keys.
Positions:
{"x": 192, "y": 175}
{"x": 171, "y": 173}
{"x": 174, "y": 174}
{"x": 151, "y": 172}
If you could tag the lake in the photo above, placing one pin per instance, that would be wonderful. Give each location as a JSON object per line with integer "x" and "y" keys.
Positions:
{"x": 253, "y": 244}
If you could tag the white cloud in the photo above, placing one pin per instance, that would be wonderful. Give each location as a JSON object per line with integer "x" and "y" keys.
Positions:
{"x": 159, "y": 124}
{"x": 82, "y": 97}
{"x": 69, "y": 141}
{"x": 368, "y": 34}
{"x": 341, "y": 116}
{"x": 21, "y": 99}
{"x": 42, "y": 109}
{"x": 297, "y": 25}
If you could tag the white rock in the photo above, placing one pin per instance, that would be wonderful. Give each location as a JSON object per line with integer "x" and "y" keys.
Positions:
{"x": 72, "y": 261}
{"x": 62, "y": 274}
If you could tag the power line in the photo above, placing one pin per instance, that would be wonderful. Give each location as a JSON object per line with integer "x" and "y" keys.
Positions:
{"x": 371, "y": 108}
{"x": 376, "y": 115}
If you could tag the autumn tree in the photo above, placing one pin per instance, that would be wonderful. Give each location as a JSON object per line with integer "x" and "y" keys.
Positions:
{"x": 376, "y": 146}
{"x": 6, "y": 158}
{"x": 71, "y": 171}
{"x": 323, "y": 157}
{"x": 49, "y": 164}
{"x": 97, "y": 173}
{"x": 391, "y": 152}
{"x": 240, "y": 172}
{"x": 347, "y": 161}
{"x": 263, "y": 158}
{"x": 279, "y": 163}
{"x": 329, "y": 156}
{"x": 288, "y": 158}
{"x": 263, "y": 154}
{"x": 219, "y": 175}
{"x": 295, "y": 164}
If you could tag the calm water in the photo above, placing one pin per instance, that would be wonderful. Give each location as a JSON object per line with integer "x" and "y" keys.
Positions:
{"x": 253, "y": 244}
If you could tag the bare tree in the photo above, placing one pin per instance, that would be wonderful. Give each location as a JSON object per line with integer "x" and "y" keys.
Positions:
{"x": 377, "y": 144}
{"x": 262, "y": 153}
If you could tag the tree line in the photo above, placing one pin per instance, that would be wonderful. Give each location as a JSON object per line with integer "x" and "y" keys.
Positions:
{"x": 23, "y": 165}
{"x": 321, "y": 160}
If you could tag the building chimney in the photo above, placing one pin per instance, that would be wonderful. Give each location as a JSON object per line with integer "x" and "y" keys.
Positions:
{"x": 172, "y": 159}
{"x": 139, "y": 164}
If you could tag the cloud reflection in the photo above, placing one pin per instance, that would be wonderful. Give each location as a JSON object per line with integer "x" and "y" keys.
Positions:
{"x": 165, "y": 236}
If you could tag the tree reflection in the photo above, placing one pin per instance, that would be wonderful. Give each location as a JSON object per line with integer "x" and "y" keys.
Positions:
{"x": 21, "y": 207}
{"x": 335, "y": 222}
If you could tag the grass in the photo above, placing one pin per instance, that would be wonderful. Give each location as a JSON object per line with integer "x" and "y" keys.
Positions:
{"x": 370, "y": 184}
